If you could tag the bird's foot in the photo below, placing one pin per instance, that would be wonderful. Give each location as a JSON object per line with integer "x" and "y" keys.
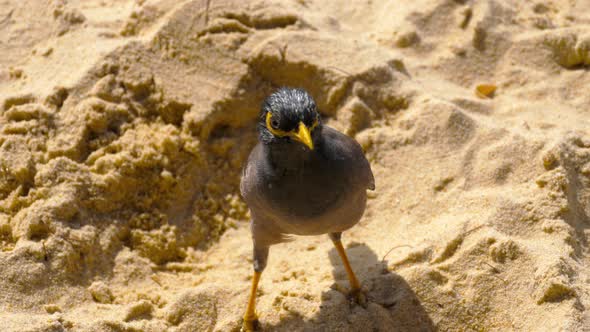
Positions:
{"x": 356, "y": 295}
{"x": 250, "y": 324}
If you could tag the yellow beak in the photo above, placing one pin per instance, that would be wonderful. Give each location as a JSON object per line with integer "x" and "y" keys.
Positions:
{"x": 304, "y": 136}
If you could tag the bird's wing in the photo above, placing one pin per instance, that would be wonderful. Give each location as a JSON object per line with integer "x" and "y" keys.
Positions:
{"x": 368, "y": 173}
{"x": 243, "y": 181}
{"x": 371, "y": 185}
{"x": 249, "y": 176}
{"x": 343, "y": 145}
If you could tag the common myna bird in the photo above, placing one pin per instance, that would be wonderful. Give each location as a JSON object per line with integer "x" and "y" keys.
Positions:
{"x": 302, "y": 178}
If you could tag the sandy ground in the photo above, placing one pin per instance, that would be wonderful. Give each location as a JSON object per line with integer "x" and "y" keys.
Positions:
{"x": 124, "y": 125}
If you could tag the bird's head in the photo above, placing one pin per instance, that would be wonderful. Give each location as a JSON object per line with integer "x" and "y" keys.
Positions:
{"x": 290, "y": 115}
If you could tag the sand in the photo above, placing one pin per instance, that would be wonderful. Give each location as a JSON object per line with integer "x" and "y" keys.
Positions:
{"x": 124, "y": 125}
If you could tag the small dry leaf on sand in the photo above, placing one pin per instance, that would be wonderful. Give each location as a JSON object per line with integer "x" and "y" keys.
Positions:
{"x": 485, "y": 91}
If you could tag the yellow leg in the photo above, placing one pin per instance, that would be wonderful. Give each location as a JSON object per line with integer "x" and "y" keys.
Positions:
{"x": 250, "y": 317}
{"x": 354, "y": 283}
{"x": 355, "y": 286}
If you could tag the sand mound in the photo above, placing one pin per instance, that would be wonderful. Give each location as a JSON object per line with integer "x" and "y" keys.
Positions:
{"x": 124, "y": 125}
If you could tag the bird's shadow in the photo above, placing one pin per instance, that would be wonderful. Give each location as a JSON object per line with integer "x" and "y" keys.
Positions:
{"x": 392, "y": 304}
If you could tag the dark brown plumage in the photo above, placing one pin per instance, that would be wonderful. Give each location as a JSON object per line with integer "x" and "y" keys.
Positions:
{"x": 301, "y": 181}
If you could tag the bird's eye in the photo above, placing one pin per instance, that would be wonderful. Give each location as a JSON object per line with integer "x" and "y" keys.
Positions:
{"x": 274, "y": 124}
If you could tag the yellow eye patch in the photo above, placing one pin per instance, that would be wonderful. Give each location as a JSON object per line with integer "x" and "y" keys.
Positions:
{"x": 282, "y": 133}
{"x": 276, "y": 132}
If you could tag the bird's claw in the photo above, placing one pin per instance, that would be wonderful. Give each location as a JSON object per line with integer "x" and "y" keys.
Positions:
{"x": 358, "y": 296}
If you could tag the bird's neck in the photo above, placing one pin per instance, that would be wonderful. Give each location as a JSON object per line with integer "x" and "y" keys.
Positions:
{"x": 288, "y": 156}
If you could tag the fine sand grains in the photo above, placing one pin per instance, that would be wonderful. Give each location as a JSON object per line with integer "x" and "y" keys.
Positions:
{"x": 124, "y": 126}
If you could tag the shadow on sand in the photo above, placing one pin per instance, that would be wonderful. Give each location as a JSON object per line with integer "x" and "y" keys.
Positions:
{"x": 392, "y": 305}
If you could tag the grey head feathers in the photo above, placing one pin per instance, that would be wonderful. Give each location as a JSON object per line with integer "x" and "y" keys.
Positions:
{"x": 288, "y": 107}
